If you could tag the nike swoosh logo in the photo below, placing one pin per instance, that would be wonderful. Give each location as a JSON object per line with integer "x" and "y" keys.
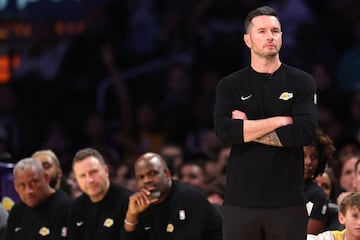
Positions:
{"x": 147, "y": 228}
{"x": 79, "y": 223}
{"x": 18, "y": 229}
{"x": 246, "y": 97}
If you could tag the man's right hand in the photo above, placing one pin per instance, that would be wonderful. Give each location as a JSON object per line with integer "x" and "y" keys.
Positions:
{"x": 138, "y": 202}
{"x": 237, "y": 114}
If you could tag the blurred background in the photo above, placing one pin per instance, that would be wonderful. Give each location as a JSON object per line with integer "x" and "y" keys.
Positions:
{"x": 129, "y": 76}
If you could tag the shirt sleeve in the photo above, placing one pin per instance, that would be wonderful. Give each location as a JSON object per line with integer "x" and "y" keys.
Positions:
{"x": 227, "y": 129}
{"x": 10, "y": 230}
{"x": 322, "y": 236}
{"x": 304, "y": 114}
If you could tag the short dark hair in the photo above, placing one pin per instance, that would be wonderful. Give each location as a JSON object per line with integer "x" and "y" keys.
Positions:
{"x": 88, "y": 152}
{"x": 260, "y": 11}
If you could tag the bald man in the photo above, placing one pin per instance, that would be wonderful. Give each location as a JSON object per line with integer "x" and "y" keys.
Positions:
{"x": 166, "y": 209}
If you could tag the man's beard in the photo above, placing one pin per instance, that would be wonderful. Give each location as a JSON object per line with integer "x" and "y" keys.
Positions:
{"x": 53, "y": 182}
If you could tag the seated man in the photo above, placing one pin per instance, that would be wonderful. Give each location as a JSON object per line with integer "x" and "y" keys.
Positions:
{"x": 349, "y": 215}
{"x": 99, "y": 212}
{"x": 42, "y": 212}
{"x": 166, "y": 209}
{"x": 52, "y": 167}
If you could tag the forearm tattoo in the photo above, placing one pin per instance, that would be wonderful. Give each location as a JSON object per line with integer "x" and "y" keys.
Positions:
{"x": 271, "y": 139}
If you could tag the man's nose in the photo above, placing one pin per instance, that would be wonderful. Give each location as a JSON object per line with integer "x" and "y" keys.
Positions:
{"x": 90, "y": 179}
{"x": 147, "y": 179}
{"x": 29, "y": 190}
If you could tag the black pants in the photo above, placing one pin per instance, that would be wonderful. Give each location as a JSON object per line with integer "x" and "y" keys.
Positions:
{"x": 288, "y": 223}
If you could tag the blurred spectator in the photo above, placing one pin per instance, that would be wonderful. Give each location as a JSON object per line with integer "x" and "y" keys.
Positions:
{"x": 121, "y": 175}
{"x": 178, "y": 99}
{"x": 345, "y": 173}
{"x": 221, "y": 31}
{"x": 327, "y": 182}
{"x": 51, "y": 167}
{"x": 3, "y": 222}
{"x": 16, "y": 124}
{"x": 215, "y": 191}
{"x": 42, "y": 54}
{"x": 82, "y": 68}
{"x": 349, "y": 66}
{"x": 347, "y": 149}
{"x": 144, "y": 27}
{"x": 353, "y": 123}
{"x": 75, "y": 190}
{"x": 216, "y": 165}
{"x": 203, "y": 140}
{"x": 173, "y": 154}
{"x": 57, "y": 139}
{"x": 315, "y": 159}
{"x": 205, "y": 99}
{"x": 193, "y": 174}
{"x": 330, "y": 123}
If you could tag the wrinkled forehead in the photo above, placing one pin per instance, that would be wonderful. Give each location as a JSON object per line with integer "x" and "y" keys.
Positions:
{"x": 24, "y": 174}
{"x": 145, "y": 165}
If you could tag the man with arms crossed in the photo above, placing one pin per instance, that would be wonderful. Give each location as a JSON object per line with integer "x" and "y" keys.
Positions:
{"x": 267, "y": 111}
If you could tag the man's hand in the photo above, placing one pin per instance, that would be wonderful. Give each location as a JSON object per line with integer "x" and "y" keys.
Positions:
{"x": 237, "y": 114}
{"x": 138, "y": 202}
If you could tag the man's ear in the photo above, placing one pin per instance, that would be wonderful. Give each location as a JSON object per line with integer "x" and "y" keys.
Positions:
{"x": 60, "y": 172}
{"x": 168, "y": 172}
{"x": 106, "y": 168}
{"x": 341, "y": 218}
{"x": 247, "y": 40}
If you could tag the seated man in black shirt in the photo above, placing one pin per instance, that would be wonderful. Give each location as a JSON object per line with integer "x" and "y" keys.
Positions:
{"x": 42, "y": 212}
{"x": 166, "y": 209}
{"x": 99, "y": 212}
{"x": 51, "y": 165}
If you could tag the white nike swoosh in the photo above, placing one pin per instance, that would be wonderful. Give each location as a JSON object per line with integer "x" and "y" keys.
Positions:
{"x": 79, "y": 223}
{"x": 246, "y": 97}
{"x": 18, "y": 229}
{"x": 147, "y": 228}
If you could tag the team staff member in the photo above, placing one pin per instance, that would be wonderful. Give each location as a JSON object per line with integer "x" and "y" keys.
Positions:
{"x": 166, "y": 209}
{"x": 42, "y": 212}
{"x": 98, "y": 213}
{"x": 267, "y": 111}
{"x": 52, "y": 167}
